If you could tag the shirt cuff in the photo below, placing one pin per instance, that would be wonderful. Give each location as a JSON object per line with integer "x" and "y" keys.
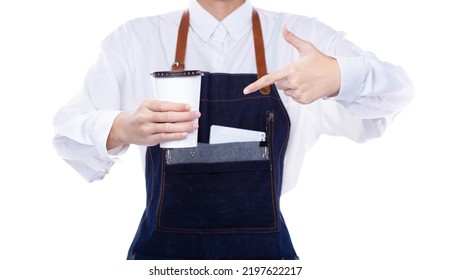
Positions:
{"x": 353, "y": 72}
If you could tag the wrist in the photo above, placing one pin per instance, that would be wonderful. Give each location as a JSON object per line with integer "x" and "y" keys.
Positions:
{"x": 114, "y": 139}
{"x": 335, "y": 74}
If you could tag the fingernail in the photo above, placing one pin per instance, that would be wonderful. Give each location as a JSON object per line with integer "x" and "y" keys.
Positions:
{"x": 246, "y": 91}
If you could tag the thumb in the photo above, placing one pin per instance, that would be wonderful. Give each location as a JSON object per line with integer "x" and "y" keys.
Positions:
{"x": 301, "y": 46}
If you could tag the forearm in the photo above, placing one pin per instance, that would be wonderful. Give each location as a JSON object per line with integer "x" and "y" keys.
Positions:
{"x": 372, "y": 93}
{"x": 371, "y": 88}
{"x": 80, "y": 140}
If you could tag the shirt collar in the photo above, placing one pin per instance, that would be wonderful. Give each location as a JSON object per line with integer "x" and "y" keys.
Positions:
{"x": 237, "y": 23}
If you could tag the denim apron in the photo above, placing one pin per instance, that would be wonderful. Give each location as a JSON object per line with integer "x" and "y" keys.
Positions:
{"x": 220, "y": 201}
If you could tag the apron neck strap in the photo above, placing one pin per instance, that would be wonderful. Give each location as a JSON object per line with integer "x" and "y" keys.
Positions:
{"x": 179, "y": 64}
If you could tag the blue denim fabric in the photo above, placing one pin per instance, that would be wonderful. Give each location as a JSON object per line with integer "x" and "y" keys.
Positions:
{"x": 226, "y": 209}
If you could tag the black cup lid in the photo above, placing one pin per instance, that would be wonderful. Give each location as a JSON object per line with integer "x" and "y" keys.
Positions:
{"x": 170, "y": 74}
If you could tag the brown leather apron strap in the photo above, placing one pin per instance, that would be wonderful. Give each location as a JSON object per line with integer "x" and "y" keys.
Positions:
{"x": 179, "y": 63}
{"x": 259, "y": 46}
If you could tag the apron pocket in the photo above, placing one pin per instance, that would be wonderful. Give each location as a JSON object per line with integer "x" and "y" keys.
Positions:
{"x": 215, "y": 153}
{"x": 222, "y": 197}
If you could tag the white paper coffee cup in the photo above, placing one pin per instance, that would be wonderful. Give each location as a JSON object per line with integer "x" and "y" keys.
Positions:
{"x": 180, "y": 87}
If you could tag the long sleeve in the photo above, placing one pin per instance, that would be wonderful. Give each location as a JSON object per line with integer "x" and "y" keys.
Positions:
{"x": 82, "y": 126}
{"x": 372, "y": 92}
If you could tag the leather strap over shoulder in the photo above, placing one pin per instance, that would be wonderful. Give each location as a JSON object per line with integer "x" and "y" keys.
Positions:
{"x": 179, "y": 63}
{"x": 259, "y": 46}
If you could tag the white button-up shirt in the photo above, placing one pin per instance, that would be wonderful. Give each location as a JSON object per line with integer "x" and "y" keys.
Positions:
{"x": 372, "y": 92}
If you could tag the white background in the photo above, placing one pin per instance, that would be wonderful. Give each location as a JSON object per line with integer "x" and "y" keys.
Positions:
{"x": 380, "y": 210}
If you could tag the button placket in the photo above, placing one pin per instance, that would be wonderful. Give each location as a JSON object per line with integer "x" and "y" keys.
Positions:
{"x": 218, "y": 37}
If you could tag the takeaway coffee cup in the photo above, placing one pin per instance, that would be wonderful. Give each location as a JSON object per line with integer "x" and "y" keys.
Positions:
{"x": 180, "y": 87}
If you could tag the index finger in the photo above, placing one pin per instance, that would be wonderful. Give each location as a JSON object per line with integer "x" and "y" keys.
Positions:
{"x": 265, "y": 81}
{"x": 165, "y": 106}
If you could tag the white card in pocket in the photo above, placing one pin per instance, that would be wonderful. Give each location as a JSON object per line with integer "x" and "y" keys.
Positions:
{"x": 223, "y": 134}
